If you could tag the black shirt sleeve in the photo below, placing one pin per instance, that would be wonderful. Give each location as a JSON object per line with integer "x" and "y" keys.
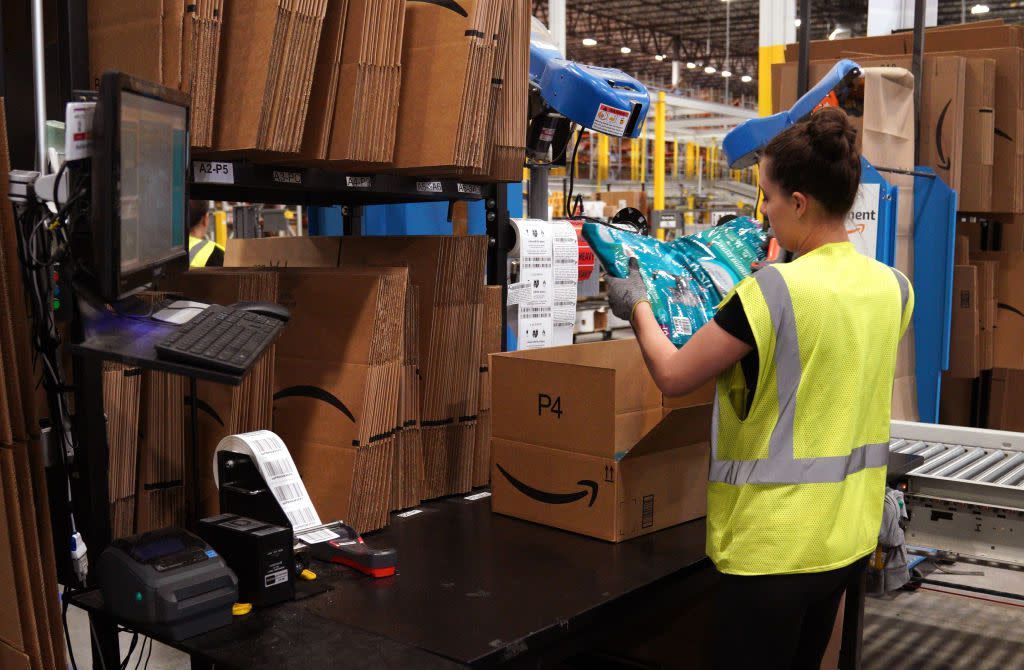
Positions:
{"x": 216, "y": 259}
{"x": 733, "y": 320}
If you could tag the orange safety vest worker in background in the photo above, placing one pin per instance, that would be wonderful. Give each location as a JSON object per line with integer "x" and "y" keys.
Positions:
{"x": 805, "y": 356}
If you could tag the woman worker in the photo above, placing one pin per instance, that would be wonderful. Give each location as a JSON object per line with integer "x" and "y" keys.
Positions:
{"x": 804, "y": 354}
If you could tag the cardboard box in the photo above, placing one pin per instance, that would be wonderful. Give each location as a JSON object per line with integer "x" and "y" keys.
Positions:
{"x": 619, "y": 199}
{"x": 591, "y": 412}
{"x": 266, "y": 74}
{"x": 170, "y": 43}
{"x": 987, "y": 311}
{"x": 1006, "y": 404}
{"x": 946, "y": 38}
{"x": 1009, "y": 326}
{"x": 965, "y": 323}
{"x": 975, "y": 194}
{"x": 957, "y": 401}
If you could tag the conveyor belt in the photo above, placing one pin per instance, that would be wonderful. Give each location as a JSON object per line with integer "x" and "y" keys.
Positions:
{"x": 975, "y": 464}
{"x": 968, "y": 495}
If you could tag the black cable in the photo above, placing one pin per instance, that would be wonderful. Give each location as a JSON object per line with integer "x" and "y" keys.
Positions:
{"x": 67, "y": 633}
{"x": 131, "y": 650}
{"x": 142, "y": 651}
{"x": 572, "y": 174}
{"x": 148, "y": 654}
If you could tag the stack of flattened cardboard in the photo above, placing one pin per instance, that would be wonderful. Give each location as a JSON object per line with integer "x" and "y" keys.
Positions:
{"x": 161, "y": 494}
{"x": 407, "y": 489}
{"x": 448, "y": 272}
{"x": 266, "y": 74}
{"x": 172, "y": 43}
{"x": 449, "y": 56}
{"x": 506, "y": 145}
{"x": 993, "y": 40}
{"x": 31, "y": 635}
{"x": 338, "y": 379}
{"x": 357, "y": 80}
{"x": 228, "y": 410}
{"x": 490, "y": 344}
{"x": 122, "y": 388}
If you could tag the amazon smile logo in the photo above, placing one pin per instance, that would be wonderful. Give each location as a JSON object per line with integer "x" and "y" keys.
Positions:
{"x": 549, "y": 498}
{"x": 316, "y": 393}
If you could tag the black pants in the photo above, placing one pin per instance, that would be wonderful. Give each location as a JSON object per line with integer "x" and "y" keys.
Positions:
{"x": 778, "y": 621}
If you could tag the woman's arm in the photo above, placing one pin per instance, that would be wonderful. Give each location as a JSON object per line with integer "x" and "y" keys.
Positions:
{"x": 709, "y": 352}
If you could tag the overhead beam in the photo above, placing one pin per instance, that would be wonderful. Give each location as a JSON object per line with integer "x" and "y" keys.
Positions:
{"x": 705, "y": 122}
{"x": 681, "y": 102}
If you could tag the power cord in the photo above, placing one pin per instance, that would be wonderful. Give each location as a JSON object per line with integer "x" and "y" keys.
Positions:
{"x": 572, "y": 174}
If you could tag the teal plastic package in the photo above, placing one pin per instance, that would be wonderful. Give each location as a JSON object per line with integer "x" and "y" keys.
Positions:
{"x": 687, "y": 277}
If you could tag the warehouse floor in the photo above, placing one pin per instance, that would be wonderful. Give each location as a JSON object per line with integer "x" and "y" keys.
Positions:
{"x": 928, "y": 628}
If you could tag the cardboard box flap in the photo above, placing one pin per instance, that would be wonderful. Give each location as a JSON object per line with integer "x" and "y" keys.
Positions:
{"x": 688, "y": 425}
{"x": 297, "y": 252}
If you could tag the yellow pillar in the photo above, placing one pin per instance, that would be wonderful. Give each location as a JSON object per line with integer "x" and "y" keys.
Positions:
{"x": 602, "y": 159}
{"x": 643, "y": 153}
{"x": 220, "y": 227}
{"x": 659, "y": 152}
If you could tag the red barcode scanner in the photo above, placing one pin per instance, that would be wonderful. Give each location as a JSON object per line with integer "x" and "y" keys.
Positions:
{"x": 348, "y": 549}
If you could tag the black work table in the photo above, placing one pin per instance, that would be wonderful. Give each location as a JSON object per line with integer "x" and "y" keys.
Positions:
{"x": 474, "y": 588}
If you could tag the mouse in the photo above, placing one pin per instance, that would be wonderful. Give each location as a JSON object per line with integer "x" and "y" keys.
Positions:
{"x": 269, "y": 309}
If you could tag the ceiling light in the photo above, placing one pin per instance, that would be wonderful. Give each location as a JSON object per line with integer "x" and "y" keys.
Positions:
{"x": 979, "y": 9}
{"x": 710, "y": 69}
{"x": 659, "y": 57}
{"x": 726, "y": 74}
{"x": 690, "y": 65}
{"x": 797, "y": 23}
{"x": 746, "y": 79}
{"x": 625, "y": 50}
{"x": 589, "y": 42}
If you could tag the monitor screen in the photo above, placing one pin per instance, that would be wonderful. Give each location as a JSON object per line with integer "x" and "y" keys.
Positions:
{"x": 154, "y": 149}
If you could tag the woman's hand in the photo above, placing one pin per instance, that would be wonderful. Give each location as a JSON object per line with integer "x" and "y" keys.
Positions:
{"x": 707, "y": 354}
{"x": 625, "y": 294}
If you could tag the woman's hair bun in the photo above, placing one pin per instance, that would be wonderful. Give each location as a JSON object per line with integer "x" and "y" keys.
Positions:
{"x": 831, "y": 134}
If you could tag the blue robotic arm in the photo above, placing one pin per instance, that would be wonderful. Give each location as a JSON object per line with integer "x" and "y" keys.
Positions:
{"x": 745, "y": 142}
{"x": 563, "y": 92}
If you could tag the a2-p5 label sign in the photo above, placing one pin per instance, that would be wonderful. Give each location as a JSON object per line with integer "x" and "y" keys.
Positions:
{"x": 546, "y": 402}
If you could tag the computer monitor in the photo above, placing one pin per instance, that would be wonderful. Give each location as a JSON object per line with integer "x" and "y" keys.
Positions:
{"x": 140, "y": 195}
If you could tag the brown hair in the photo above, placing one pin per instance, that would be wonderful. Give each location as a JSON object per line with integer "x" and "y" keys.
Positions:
{"x": 818, "y": 157}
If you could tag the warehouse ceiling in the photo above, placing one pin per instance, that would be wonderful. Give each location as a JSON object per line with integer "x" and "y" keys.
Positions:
{"x": 695, "y": 31}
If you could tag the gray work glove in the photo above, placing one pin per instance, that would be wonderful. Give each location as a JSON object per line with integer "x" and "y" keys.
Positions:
{"x": 625, "y": 294}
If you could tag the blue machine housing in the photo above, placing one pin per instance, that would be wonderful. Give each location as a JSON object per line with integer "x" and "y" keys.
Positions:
{"x": 583, "y": 93}
{"x": 745, "y": 141}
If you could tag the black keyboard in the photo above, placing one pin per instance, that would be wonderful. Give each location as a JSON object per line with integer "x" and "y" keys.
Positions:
{"x": 221, "y": 337}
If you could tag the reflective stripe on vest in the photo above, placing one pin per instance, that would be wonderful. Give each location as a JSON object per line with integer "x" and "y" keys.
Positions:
{"x": 782, "y": 466}
{"x": 196, "y": 249}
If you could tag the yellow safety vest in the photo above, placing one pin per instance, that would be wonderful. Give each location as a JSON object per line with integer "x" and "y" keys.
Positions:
{"x": 797, "y": 485}
{"x": 200, "y": 250}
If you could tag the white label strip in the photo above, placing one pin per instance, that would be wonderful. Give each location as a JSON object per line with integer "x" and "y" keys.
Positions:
{"x": 213, "y": 172}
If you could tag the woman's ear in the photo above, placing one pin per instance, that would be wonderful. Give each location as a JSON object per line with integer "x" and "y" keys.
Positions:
{"x": 799, "y": 203}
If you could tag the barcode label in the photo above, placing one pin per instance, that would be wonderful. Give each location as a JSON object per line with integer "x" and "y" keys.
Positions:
{"x": 301, "y": 516}
{"x": 526, "y": 312}
{"x": 279, "y": 467}
{"x": 471, "y": 189}
{"x": 357, "y": 182}
{"x": 428, "y": 186}
{"x": 317, "y": 536}
{"x": 287, "y": 492}
{"x": 565, "y": 282}
{"x": 535, "y": 262}
{"x": 682, "y": 325}
{"x": 265, "y": 446}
